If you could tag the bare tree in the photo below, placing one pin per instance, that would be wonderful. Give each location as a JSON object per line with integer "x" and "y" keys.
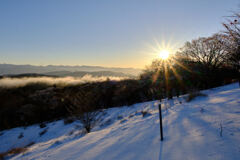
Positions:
{"x": 82, "y": 105}
{"x": 232, "y": 40}
{"x": 208, "y": 51}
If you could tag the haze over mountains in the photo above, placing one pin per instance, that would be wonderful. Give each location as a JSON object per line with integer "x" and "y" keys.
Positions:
{"x": 75, "y": 71}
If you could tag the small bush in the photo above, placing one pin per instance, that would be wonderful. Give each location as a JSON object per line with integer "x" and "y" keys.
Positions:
{"x": 89, "y": 120}
{"x": 43, "y": 132}
{"x": 123, "y": 121}
{"x": 20, "y": 135}
{"x": 202, "y": 110}
{"x": 193, "y": 95}
{"x": 71, "y": 132}
{"x": 120, "y": 117}
{"x": 145, "y": 113}
{"x": 130, "y": 116}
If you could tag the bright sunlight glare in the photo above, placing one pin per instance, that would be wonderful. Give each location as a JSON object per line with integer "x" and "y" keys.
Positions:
{"x": 164, "y": 54}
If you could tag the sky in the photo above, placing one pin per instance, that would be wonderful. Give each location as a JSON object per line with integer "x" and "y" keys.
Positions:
{"x": 109, "y": 33}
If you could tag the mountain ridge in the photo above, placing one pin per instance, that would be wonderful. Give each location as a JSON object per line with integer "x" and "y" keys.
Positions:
{"x": 6, "y": 69}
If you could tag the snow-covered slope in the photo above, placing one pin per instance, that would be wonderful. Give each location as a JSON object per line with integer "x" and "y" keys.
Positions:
{"x": 191, "y": 131}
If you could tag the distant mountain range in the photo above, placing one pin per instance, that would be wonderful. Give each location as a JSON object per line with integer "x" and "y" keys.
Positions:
{"x": 75, "y": 71}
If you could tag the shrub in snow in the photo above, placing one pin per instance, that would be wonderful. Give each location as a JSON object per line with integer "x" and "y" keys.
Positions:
{"x": 43, "y": 132}
{"x": 202, "y": 110}
{"x": 56, "y": 143}
{"x": 123, "y": 121}
{"x": 145, "y": 113}
{"x": 89, "y": 120}
{"x": 82, "y": 105}
{"x": 20, "y": 135}
{"x": 192, "y": 95}
{"x": 120, "y": 117}
{"x": 71, "y": 132}
{"x": 130, "y": 116}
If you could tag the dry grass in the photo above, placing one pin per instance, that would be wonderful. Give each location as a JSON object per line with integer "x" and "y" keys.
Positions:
{"x": 12, "y": 152}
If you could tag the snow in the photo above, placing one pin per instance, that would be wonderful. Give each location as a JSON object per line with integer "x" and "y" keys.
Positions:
{"x": 192, "y": 130}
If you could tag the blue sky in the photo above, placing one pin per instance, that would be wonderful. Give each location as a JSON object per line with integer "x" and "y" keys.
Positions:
{"x": 113, "y": 33}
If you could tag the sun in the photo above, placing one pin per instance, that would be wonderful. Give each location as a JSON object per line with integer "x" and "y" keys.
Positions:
{"x": 164, "y": 54}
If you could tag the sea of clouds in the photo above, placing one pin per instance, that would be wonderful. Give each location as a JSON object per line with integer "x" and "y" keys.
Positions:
{"x": 19, "y": 82}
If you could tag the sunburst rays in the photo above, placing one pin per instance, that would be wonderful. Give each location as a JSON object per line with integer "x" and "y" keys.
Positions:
{"x": 168, "y": 64}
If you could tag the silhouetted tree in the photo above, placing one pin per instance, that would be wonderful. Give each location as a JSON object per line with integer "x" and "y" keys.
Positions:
{"x": 232, "y": 40}
{"x": 83, "y": 105}
{"x": 210, "y": 51}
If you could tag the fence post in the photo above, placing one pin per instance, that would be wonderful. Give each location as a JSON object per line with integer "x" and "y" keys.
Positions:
{"x": 160, "y": 121}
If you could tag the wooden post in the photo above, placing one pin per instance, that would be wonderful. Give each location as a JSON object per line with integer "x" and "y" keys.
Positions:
{"x": 160, "y": 121}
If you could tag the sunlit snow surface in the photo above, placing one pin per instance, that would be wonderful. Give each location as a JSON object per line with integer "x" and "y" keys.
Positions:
{"x": 191, "y": 131}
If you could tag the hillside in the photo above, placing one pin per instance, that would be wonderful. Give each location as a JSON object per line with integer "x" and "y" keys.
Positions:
{"x": 205, "y": 128}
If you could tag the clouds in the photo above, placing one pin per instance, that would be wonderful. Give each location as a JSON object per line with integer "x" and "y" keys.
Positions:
{"x": 19, "y": 82}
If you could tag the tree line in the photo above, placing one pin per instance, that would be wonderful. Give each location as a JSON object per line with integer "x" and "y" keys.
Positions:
{"x": 202, "y": 63}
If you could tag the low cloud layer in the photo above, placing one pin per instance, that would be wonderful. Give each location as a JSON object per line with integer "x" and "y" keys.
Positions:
{"x": 19, "y": 82}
